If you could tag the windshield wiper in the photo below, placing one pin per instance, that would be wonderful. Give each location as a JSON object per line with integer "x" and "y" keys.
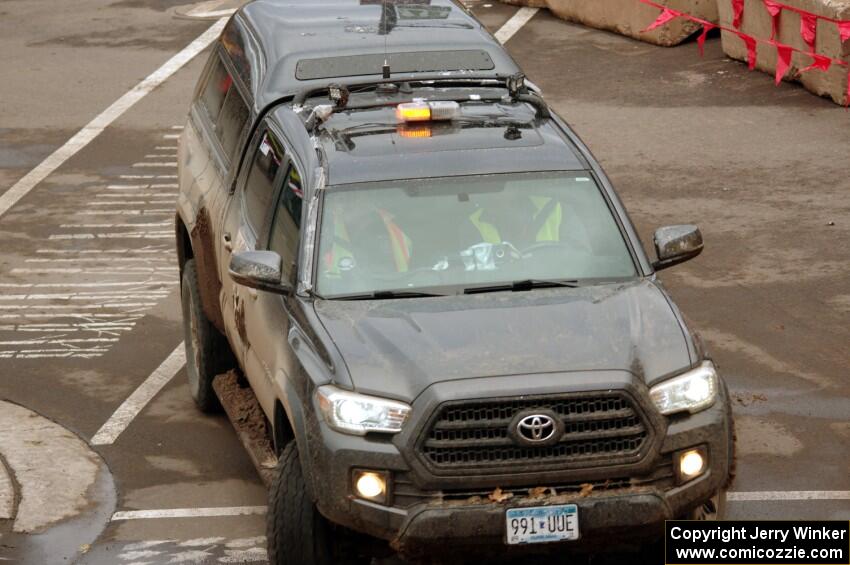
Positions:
{"x": 387, "y": 294}
{"x": 521, "y": 286}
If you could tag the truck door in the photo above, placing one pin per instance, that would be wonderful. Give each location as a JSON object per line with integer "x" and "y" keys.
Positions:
{"x": 267, "y": 315}
{"x": 247, "y": 216}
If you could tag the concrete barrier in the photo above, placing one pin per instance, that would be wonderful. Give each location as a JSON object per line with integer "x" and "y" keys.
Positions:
{"x": 629, "y": 17}
{"x": 758, "y": 23}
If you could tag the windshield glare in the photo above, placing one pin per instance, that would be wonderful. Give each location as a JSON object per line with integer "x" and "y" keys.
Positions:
{"x": 465, "y": 232}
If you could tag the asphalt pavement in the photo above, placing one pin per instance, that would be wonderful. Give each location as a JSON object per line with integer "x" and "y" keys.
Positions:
{"x": 89, "y": 307}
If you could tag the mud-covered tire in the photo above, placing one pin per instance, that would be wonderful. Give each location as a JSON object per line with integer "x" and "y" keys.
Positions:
{"x": 296, "y": 532}
{"x": 207, "y": 351}
{"x": 712, "y": 509}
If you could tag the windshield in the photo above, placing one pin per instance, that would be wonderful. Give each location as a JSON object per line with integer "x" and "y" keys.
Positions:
{"x": 463, "y": 232}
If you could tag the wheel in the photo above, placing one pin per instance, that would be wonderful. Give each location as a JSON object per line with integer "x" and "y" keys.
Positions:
{"x": 207, "y": 351}
{"x": 712, "y": 509}
{"x": 295, "y": 530}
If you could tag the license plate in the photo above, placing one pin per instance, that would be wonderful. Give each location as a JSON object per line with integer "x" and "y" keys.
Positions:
{"x": 542, "y": 524}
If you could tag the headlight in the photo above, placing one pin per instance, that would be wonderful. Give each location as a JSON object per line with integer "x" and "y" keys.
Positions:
{"x": 691, "y": 392}
{"x": 358, "y": 414}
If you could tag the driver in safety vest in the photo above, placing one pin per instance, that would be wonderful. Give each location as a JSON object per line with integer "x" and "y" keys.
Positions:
{"x": 524, "y": 221}
{"x": 376, "y": 240}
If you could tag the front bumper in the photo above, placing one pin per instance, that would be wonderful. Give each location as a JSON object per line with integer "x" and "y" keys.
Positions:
{"x": 426, "y": 510}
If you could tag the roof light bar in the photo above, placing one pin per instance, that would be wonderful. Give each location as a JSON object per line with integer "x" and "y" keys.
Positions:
{"x": 413, "y": 112}
{"x": 422, "y": 111}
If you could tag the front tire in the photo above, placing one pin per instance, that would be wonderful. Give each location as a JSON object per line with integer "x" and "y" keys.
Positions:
{"x": 296, "y": 532}
{"x": 207, "y": 351}
{"x": 712, "y": 509}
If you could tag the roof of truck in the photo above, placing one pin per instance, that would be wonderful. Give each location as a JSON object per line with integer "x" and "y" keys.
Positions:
{"x": 282, "y": 47}
{"x": 372, "y": 146}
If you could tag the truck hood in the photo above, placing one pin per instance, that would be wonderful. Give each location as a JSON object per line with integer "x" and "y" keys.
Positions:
{"x": 397, "y": 348}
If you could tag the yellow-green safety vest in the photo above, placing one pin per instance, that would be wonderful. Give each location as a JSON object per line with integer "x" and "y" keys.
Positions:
{"x": 549, "y": 231}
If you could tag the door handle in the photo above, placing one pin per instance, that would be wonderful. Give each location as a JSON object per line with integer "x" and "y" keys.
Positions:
{"x": 228, "y": 241}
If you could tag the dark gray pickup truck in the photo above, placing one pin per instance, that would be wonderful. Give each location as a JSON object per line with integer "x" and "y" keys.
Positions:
{"x": 435, "y": 295}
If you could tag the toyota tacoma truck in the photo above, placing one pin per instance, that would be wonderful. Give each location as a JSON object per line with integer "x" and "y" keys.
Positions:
{"x": 434, "y": 293}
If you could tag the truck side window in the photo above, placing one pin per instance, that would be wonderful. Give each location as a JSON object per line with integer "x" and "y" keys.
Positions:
{"x": 225, "y": 108}
{"x": 285, "y": 226}
{"x": 259, "y": 188}
{"x": 215, "y": 90}
{"x": 231, "y": 121}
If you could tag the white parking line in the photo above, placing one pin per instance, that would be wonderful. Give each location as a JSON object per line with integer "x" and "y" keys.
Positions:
{"x": 124, "y": 251}
{"x": 170, "y": 164}
{"x": 88, "y": 284}
{"x": 116, "y": 305}
{"x": 249, "y": 510}
{"x": 59, "y": 341}
{"x": 116, "y": 235}
{"x": 107, "y": 117}
{"x": 514, "y": 24}
{"x": 785, "y": 495}
{"x": 79, "y": 316}
{"x": 122, "y": 203}
{"x": 135, "y": 225}
{"x": 131, "y": 407}
{"x": 150, "y": 212}
{"x": 138, "y": 194}
{"x": 92, "y": 271}
{"x": 189, "y": 513}
{"x": 213, "y": 14}
{"x": 87, "y": 295}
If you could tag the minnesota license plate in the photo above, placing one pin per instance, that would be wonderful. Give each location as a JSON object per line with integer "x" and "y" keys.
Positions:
{"x": 542, "y": 524}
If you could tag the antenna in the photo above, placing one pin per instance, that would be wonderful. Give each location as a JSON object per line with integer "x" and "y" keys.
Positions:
{"x": 386, "y": 31}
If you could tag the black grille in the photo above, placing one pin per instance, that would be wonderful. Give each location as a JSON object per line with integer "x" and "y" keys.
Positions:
{"x": 597, "y": 427}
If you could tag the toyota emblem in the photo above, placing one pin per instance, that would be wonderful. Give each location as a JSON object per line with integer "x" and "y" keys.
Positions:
{"x": 536, "y": 428}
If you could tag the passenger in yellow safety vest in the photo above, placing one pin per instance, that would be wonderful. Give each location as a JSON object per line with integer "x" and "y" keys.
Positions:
{"x": 544, "y": 222}
{"x": 341, "y": 254}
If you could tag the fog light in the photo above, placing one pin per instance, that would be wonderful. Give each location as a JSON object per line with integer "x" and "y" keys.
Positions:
{"x": 692, "y": 463}
{"x": 370, "y": 485}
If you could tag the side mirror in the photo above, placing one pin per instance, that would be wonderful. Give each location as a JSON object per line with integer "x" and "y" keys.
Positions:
{"x": 260, "y": 270}
{"x": 676, "y": 244}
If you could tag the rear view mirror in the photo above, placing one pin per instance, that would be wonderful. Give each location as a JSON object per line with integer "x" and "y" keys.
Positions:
{"x": 676, "y": 244}
{"x": 260, "y": 270}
